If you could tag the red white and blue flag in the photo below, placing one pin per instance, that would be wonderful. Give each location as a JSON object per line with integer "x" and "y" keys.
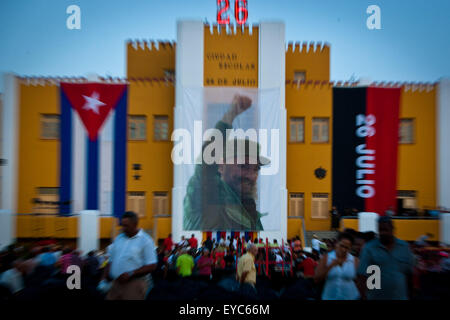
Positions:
{"x": 93, "y": 147}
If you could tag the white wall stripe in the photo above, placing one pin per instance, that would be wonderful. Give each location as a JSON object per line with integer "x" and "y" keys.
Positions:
{"x": 189, "y": 74}
{"x": 106, "y": 165}
{"x": 10, "y": 145}
{"x": 78, "y": 164}
{"x": 272, "y": 59}
{"x": 442, "y": 144}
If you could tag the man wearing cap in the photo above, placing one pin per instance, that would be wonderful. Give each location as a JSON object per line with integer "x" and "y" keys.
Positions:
{"x": 222, "y": 196}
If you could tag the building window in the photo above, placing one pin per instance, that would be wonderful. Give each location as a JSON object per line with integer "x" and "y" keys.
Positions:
{"x": 320, "y": 129}
{"x": 137, "y": 127}
{"x": 319, "y": 209}
{"x": 161, "y": 128}
{"x": 296, "y": 205}
{"x": 406, "y": 134}
{"x": 299, "y": 76}
{"x": 50, "y": 126}
{"x": 297, "y": 127}
{"x": 136, "y": 202}
{"x": 407, "y": 199}
{"x": 46, "y": 201}
{"x": 169, "y": 75}
{"x": 160, "y": 203}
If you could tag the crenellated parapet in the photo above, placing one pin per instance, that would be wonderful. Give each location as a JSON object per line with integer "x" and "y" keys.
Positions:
{"x": 55, "y": 81}
{"x": 312, "y": 58}
{"x": 149, "y": 59}
{"x": 231, "y": 29}
{"x": 308, "y": 84}
{"x": 406, "y": 86}
{"x": 159, "y": 46}
{"x": 49, "y": 81}
{"x": 160, "y": 82}
{"x": 308, "y": 48}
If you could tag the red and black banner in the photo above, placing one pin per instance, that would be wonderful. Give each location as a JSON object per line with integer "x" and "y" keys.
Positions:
{"x": 365, "y": 144}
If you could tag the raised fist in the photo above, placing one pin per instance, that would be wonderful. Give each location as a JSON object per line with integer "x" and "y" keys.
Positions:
{"x": 240, "y": 104}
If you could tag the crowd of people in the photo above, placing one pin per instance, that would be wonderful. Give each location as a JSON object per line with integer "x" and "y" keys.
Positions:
{"x": 39, "y": 270}
{"x": 132, "y": 267}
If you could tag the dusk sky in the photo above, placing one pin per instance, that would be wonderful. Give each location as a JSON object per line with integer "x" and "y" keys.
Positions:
{"x": 412, "y": 45}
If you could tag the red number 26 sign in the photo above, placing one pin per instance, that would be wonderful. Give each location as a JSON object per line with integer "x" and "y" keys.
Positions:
{"x": 240, "y": 11}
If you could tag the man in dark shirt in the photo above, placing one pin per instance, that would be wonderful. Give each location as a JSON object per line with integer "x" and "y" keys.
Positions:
{"x": 91, "y": 264}
{"x": 395, "y": 261}
{"x": 208, "y": 244}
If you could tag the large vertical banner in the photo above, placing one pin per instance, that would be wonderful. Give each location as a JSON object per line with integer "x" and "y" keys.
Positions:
{"x": 229, "y": 153}
{"x": 93, "y": 147}
{"x": 230, "y": 93}
{"x": 365, "y": 148}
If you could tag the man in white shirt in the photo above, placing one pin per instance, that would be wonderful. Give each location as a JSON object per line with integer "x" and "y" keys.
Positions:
{"x": 183, "y": 242}
{"x": 315, "y": 244}
{"x": 235, "y": 242}
{"x": 132, "y": 259}
{"x": 12, "y": 278}
{"x": 227, "y": 242}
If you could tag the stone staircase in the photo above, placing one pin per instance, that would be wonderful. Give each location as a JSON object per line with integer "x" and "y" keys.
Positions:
{"x": 320, "y": 235}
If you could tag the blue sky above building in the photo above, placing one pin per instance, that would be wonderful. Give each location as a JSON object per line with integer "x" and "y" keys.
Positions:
{"x": 412, "y": 45}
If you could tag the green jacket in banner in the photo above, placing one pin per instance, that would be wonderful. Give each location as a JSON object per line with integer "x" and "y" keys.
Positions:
{"x": 211, "y": 204}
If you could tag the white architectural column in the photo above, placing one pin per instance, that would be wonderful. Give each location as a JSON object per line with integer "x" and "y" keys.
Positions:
{"x": 88, "y": 231}
{"x": 6, "y": 228}
{"x": 189, "y": 74}
{"x": 367, "y": 221}
{"x": 272, "y": 60}
{"x": 444, "y": 225}
{"x": 9, "y": 152}
{"x": 442, "y": 143}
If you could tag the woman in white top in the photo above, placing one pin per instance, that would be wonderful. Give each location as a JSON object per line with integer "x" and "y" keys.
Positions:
{"x": 338, "y": 269}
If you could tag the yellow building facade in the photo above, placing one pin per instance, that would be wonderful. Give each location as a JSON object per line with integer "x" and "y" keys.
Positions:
{"x": 151, "y": 100}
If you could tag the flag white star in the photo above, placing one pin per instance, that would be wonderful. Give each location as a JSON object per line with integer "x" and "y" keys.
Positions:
{"x": 93, "y": 102}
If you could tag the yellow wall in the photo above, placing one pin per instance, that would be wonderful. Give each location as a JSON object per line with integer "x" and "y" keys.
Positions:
{"x": 295, "y": 228}
{"x": 410, "y": 230}
{"x": 151, "y": 98}
{"x": 35, "y": 227}
{"x": 348, "y": 224}
{"x": 46, "y": 226}
{"x": 38, "y": 158}
{"x": 144, "y": 60}
{"x": 106, "y": 227}
{"x": 312, "y": 58}
{"x": 309, "y": 101}
{"x": 238, "y": 51}
{"x": 417, "y": 161}
{"x": 164, "y": 227}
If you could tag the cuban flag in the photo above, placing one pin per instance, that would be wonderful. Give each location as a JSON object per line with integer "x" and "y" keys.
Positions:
{"x": 93, "y": 147}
